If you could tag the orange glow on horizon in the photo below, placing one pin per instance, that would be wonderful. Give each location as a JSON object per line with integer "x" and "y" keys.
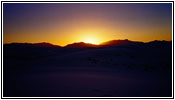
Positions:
{"x": 63, "y": 24}
{"x": 88, "y": 31}
{"x": 90, "y": 40}
{"x": 88, "y": 37}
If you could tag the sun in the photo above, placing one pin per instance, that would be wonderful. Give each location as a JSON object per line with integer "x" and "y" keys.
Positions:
{"x": 90, "y": 40}
{"x": 89, "y": 37}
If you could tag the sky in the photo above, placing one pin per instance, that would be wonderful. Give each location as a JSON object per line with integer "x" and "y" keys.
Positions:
{"x": 65, "y": 23}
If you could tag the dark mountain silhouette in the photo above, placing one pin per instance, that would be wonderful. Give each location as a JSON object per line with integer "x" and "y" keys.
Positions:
{"x": 111, "y": 43}
{"x": 157, "y": 43}
{"x": 119, "y": 43}
{"x": 44, "y": 44}
{"x": 125, "y": 42}
{"x": 80, "y": 45}
{"x": 29, "y": 45}
{"x": 104, "y": 44}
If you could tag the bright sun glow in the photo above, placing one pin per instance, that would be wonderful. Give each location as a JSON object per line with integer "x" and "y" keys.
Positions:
{"x": 90, "y": 40}
{"x": 89, "y": 36}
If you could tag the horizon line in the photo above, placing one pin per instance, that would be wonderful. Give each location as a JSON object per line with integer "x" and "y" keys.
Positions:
{"x": 82, "y": 42}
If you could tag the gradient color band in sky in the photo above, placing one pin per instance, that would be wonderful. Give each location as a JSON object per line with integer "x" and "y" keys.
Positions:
{"x": 64, "y": 23}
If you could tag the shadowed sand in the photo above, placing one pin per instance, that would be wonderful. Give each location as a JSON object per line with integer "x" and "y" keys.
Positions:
{"x": 117, "y": 71}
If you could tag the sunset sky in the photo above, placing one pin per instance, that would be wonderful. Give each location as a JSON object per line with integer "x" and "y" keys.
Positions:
{"x": 65, "y": 23}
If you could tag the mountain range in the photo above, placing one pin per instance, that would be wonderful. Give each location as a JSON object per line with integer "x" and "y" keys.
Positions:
{"x": 111, "y": 43}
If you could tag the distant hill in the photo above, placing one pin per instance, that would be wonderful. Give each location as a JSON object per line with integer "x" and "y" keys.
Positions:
{"x": 27, "y": 45}
{"x": 80, "y": 45}
{"x": 157, "y": 43}
{"x": 119, "y": 43}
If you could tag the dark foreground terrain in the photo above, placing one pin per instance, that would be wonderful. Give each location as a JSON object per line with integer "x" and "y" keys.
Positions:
{"x": 44, "y": 70}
